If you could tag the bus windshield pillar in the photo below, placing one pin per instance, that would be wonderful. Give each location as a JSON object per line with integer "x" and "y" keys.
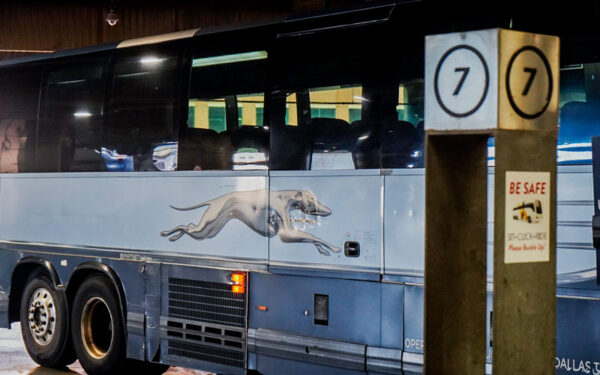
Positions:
{"x": 491, "y": 99}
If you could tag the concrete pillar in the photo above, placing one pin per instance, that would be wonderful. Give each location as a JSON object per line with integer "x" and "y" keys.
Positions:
{"x": 455, "y": 254}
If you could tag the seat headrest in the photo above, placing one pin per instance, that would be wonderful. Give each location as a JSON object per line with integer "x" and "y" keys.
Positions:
{"x": 322, "y": 125}
{"x": 199, "y": 132}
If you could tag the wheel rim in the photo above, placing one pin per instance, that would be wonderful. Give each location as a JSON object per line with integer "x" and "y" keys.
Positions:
{"x": 42, "y": 316}
{"x": 96, "y": 328}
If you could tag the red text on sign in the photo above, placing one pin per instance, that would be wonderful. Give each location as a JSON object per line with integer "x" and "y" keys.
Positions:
{"x": 518, "y": 187}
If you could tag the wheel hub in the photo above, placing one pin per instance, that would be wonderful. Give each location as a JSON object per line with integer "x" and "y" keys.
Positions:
{"x": 96, "y": 328}
{"x": 42, "y": 316}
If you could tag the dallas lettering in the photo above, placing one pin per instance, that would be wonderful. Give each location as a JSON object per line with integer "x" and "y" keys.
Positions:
{"x": 578, "y": 366}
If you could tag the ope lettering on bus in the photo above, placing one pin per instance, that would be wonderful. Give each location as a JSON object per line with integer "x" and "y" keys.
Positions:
{"x": 518, "y": 187}
{"x": 414, "y": 344}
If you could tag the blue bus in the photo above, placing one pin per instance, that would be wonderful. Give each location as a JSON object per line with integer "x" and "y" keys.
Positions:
{"x": 250, "y": 200}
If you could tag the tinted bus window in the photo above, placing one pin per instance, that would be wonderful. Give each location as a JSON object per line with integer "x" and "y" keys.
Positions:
{"x": 19, "y": 97}
{"x": 579, "y": 113}
{"x": 343, "y": 114}
{"x": 140, "y": 129}
{"x": 226, "y": 131}
{"x": 69, "y": 135}
{"x": 403, "y": 140}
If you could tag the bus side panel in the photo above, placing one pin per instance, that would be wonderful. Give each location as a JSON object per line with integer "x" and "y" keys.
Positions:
{"x": 414, "y": 324}
{"x": 353, "y": 307}
{"x": 576, "y": 257}
{"x": 404, "y": 218}
{"x": 278, "y": 366}
{"x": 153, "y": 309}
{"x": 392, "y": 315}
{"x": 8, "y": 260}
{"x": 404, "y": 214}
{"x": 345, "y": 235}
{"x": 138, "y": 212}
{"x": 324, "y": 321}
{"x": 414, "y": 341}
{"x": 577, "y": 336}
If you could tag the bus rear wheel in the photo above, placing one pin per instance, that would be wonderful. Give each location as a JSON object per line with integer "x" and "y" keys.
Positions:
{"x": 97, "y": 328}
{"x": 44, "y": 322}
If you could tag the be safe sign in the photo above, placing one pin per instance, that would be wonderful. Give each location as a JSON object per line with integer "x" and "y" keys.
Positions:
{"x": 527, "y": 217}
{"x": 490, "y": 79}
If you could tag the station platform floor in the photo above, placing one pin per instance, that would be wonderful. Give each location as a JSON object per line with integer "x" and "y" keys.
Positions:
{"x": 14, "y": 359}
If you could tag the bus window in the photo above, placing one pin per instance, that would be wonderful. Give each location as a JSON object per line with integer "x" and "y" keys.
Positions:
{"x": 69, "y": 133}
{"x": 316, "y": 131}
{"x": 139, "y": 133}
{"x": 403, "y": 140}
{"x": 336, "y": 108}
{"x": 19, "y": 96}
{"x": 349, "y": 126}
{"x": 225, "y": 128}
{"x": 329, "y": 125}
{"x": 579, "y": 112}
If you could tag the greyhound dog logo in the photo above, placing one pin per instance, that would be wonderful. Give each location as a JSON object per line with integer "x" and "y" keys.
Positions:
{"x": 265, "y": 217}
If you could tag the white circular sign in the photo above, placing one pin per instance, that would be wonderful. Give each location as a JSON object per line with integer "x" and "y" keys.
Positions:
{"x": 529, "y": 82}
{"x": 461, "y": 81}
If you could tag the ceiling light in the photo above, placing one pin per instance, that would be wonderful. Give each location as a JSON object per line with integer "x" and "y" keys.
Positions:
{"x": 112, "y": 18}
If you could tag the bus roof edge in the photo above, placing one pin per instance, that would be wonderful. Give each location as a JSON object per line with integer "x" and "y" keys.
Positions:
{"x": 157, "y": 38}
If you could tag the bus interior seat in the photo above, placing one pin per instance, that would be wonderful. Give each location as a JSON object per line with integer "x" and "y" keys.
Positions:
{"x": 366, "y": 152}
{"x": 246, "y": 136}
{"x": 577, "y": 121}
{"x": 252, "y": 142}
{"x": 333, "y": 136}
{"x": 290, "y": 148}
{"x": 200, "y": 149}
{"x": 398, "y": 141}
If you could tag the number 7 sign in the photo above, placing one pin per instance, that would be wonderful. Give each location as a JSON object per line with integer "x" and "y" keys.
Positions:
{"x": 491, "y": 79}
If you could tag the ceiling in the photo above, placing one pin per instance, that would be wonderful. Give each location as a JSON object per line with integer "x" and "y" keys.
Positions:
{"x": 28, "y": 27}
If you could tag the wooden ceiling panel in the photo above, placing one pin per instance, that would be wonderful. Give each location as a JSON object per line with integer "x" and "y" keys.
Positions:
{"x": 49, "y": 26}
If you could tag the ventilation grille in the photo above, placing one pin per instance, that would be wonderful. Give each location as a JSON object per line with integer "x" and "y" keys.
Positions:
{"x": 204, "y": 341}
{"x": 206, "y": 301}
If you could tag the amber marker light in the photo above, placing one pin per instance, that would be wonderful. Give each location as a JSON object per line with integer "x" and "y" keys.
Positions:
{"x": 239, "y": 282}
{"x": 262, "y": 307}
{"x": 238, "y": 289}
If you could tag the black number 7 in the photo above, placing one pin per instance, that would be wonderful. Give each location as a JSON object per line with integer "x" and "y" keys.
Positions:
{"x": 465, "y": 72}
{"x": 531, "y": 72}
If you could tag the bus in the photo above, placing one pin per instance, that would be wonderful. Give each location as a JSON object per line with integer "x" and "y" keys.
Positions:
{"x": 530, "y": 212}
{"x": 251, "y": 200}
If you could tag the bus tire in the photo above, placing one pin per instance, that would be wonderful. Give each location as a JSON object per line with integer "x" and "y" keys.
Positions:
{"x": 44, "y": 316}
{"x": 97, "y": 328}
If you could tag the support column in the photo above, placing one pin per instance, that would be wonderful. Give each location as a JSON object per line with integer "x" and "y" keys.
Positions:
{"x": 455, "y": 254}
{"x": 524, "y": 293}
{"x": 503, "y": 84}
